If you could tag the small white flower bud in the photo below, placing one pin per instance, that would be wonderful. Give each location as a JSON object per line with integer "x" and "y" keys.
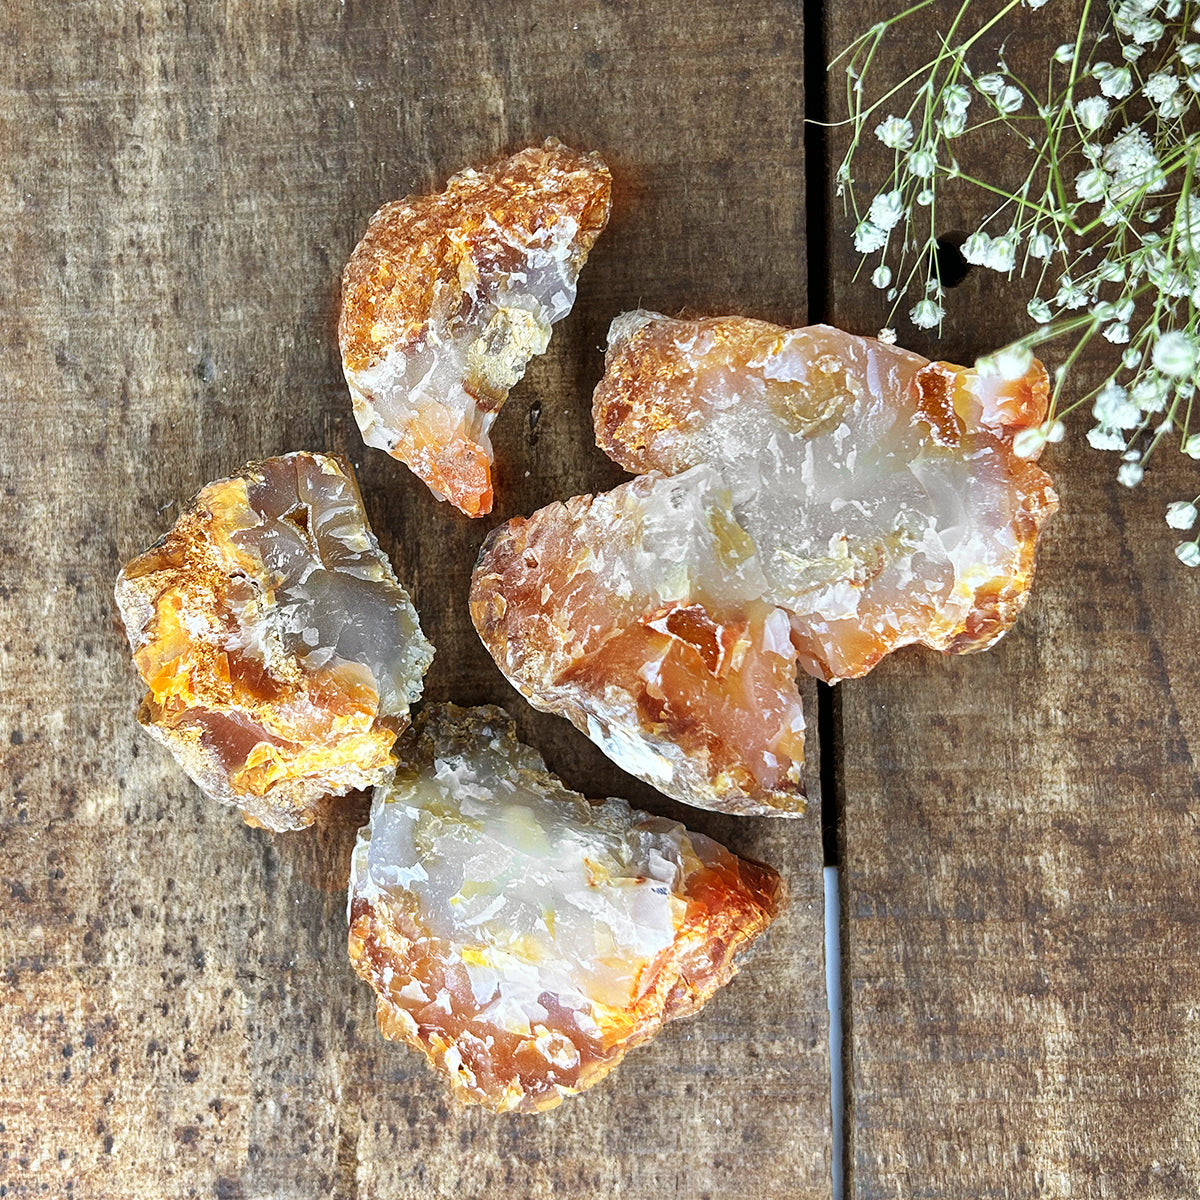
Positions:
{"x": 926, "y": 314}
{"x": 1130, "y": 474}
{"x": 1175, "y": 354}
{"x": 886, "y": 210}
{"x": 1039, "y": 311}
{"x": 881, "y": 276}
{"x": 1181, "y": 514}
{"x": 896, "y": 133}
{"x": 1092, "y": 112}
{"x": 1188, "y": 553}
{"x": 1028, "y": 443}
{"x": 1191, "y": 447}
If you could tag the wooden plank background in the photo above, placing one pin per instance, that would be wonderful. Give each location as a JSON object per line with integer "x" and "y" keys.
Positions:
{"x": 180, "y": 184}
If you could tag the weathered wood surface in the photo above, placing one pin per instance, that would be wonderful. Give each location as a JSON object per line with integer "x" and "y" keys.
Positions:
{"x": 1021, "y": 925}
{"x": 180, "y": 185}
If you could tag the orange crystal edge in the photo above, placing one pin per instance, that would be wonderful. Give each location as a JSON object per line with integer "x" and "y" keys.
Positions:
{"x": 219, "y": 711}
{"x": 729, "y": 906}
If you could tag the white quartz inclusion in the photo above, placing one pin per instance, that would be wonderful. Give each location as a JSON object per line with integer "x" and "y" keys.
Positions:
{"x": 527, "y": 884}
{"x": 872, "y": 530}
{"x": 336, "y": 601}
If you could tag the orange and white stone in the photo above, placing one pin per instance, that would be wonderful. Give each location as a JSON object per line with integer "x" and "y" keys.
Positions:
{"x": 522, "y": 937}
{"x": 881, "y": 490}
{"x": 639, "y": 615}
{"x": 806, "y": 498}
{"x": 448, "y": 296}
{"x": 280, "y": 652}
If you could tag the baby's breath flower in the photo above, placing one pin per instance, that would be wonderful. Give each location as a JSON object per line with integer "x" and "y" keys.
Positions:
{"x": 1001, "y": 254}
{"x": 1116, "y": 82}
{"x": 1130, "y": 474}
{"x": 1160, "y": 86}
{"x": 1070, "y": 294}
{"x": 1191, "y": 446}
{"x": 1181, "y": 514}
{"x": 1149, "y": 392}
{"x": 886, "y": 210}
{"x": 1009, "y": 100}
{"x": 896, "y": 133}
{"x": 956, "y": 100}
{"x": 925, "y": 197}
{"x": 1009, "y": 363}
{"x": 1189, "y": 54}
{"x": 922, "y": 163}
{"x": 975, "y": 248}
{"x": 869, "y": 237}
{"x": 887, "y": 336}
{"x": 1090, "y": 185}
{"x": 926, "y": 314}
{"x": 1065, "y": 53}
{"x": 1187, "y": 225}
{"x": 1175, "y": 354}
{"x": 953, "y": 125}
{"x": 1028, "y": 443}
{"x": 1039, "y": 310}
{"x": 1131, "y": 160}
{"x": 1055, "y": 431}
{"x": 1117, "y": 333}
{"x": 1113, "y": 408}
{"x": 1103, "y": 438}
{"x": 990, "y": 85}
{"x": 1188, "y": 553}
{"x": 881, "y": 276}
{"x": 1041, "y": 246}
{"x": 1092, "y": 112}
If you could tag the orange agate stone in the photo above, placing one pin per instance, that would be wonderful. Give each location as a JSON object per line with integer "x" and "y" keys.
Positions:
{"x": 639, "y": 615}
{"x": 881, "y": 490}
{"x": 280, "y": 652}
{"x": 523, "y": 938}
{"x": 448, "y": 296}
{"x": 806, "y": 498}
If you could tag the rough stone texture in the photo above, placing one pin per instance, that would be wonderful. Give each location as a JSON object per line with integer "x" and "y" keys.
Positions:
{"x": 638, "y": 614}
{"x": 182, "y": 187}
{"x": 522, "y": 937}
{"x": 447, "y": 298}
{"x": 1022, "y": 929}
{"x": 280, "y": 651}
{"x": 879, "y": 489}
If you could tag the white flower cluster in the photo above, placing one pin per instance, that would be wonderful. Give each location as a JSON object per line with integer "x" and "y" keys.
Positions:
{"x": 1101, "y": 206}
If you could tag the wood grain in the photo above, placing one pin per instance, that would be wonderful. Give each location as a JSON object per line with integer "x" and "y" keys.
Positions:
{"x": 1021, "y": 925}
{"x": 181, "y": 184}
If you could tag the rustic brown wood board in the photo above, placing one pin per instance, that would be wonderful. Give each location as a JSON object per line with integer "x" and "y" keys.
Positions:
{"x": 1021, "y": 924}
{"x": 181, "y": 185}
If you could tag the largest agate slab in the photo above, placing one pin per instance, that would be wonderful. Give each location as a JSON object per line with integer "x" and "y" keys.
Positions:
{"x": 806, "y": 497}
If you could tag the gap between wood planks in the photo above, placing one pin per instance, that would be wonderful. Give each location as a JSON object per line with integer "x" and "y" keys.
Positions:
{"x": 817, "y": 226}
